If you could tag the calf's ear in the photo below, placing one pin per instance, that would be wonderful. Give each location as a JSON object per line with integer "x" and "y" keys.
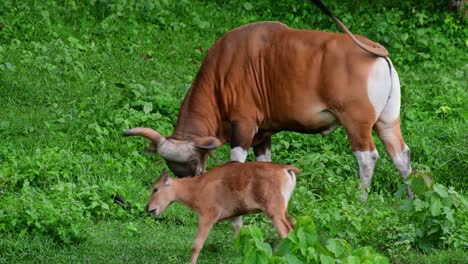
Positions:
{"x": 166, "y": 178}
{"x": 207, "y": 143}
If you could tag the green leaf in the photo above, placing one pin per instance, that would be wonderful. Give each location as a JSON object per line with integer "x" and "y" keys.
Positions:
{"x": 147, "y": 107}
{"x": 401, "y": 191}
{"x": 404, "y": 37}
{"x": 363, "y": 252}
{"x": 248, "y": 6}
{"x": 250, "y": 256}
{"x": 10, "y": 66}
{"x": 312, "y": 254}
{"x": 291, "y": 259}
{"x": 264, "y": 247}
{"x": 247, "y": 233}
{"x": 324, "y": 259}
{"x": 425, "y": 244}
{"x": 418, "y": 186}
{"x": 441, "y": 190}
{"x": 419, "y": 205}
{"x": 105, "y": 206}
{"x": 302, "y": 237}
{"x": 436, "y": 206}
{"x": 351, "y": 260}
{"x": 284, "y": 247}
{"x": 407, "y": 205}
{"x": 337, "y": 247}
{"x": 427, "y": 177}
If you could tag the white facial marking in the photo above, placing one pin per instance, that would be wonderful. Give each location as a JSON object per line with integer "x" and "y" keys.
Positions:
{"x": 264, "y": 157}
{"x": 402, "y": 162}
{"x": 380, "y": 86}
{"x": 238, "y": 154}
{"x": 366, "y": 160}
{"x": 179, "y": 152}
{"x": 288, "y": 186}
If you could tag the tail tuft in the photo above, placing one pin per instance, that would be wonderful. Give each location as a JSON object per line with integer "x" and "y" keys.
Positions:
{"x": 291, "y": 168}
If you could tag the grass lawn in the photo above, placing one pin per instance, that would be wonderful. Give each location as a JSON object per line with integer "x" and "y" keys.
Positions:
{"x": 75, "y": 75}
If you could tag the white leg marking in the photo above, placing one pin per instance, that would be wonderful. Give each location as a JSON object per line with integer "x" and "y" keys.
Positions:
{"x": 237, "y": 224}
{"x": 238, "y": 154}
{"x": 288, "y": 186}
{"x": 264, "y": 157}
{"x": 402, "y": 162}
{"x": 366, "y": 160}
{"x": 383, "y": 90}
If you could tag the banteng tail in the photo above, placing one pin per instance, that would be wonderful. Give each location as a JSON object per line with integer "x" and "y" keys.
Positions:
{"x": 377, "y": 49}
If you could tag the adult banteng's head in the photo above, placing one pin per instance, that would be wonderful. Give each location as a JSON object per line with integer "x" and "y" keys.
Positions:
{"x": 183, "y": 157}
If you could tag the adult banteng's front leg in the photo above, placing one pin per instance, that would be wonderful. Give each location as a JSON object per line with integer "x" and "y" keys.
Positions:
{"x": 241, "y": 139}
{"x": 262, "y": 150}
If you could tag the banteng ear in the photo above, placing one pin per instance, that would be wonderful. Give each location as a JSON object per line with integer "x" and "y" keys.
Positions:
{"x": 166, "y": 178}
{"x": 207, "y": 143}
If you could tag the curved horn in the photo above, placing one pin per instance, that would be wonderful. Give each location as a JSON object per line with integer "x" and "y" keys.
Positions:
{"x": 148, "y": 133}
{"x": 377, "y": 50}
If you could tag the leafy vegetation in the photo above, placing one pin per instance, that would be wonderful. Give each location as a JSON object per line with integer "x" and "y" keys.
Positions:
{"x": 302, "y": 246}
{"x": 75, "y": 74}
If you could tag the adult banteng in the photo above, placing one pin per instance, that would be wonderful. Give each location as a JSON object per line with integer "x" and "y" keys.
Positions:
{"x": 265, "y": 77}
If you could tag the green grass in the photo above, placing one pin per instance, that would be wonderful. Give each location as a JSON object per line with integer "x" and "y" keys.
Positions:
{"x": 74, "y": 76}
{"x": 129, "y": 242}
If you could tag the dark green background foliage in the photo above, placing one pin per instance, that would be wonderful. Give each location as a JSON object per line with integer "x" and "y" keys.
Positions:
{"x": 75, "y": 74}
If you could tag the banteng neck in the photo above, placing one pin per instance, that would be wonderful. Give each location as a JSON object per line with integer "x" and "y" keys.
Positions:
{"x": 198, "y": 115}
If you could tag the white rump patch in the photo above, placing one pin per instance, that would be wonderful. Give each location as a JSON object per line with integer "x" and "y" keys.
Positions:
{"x": 238, "y": 154}
{"x": 380, "y": 88}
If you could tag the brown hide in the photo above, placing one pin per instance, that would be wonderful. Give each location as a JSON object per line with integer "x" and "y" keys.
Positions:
{"x": 270, "y": 77}
{"x": 230, "y": 189}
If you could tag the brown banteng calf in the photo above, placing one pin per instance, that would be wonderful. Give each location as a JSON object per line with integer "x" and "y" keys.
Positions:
{"x": 227, "y": 191}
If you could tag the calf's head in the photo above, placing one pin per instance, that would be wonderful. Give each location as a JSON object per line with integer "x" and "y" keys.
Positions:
{"x": 162, "y": 195}
{"x": 183, "y": 157}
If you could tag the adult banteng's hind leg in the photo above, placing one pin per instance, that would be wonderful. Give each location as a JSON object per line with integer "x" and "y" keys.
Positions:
{"x": 388, "y": 130}
{"x": 262, "y": 150}
{"x": 358, "y": 125}
{"x": 390, "y": 134}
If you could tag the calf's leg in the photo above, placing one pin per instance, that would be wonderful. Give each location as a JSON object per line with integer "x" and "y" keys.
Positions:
{"x": 278, "y": 213}
{"x": 204, "y": 227}
{"x": 281, "y": 224}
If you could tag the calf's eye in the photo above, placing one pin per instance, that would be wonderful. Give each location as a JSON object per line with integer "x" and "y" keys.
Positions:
{"x": 155, "y": 190}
